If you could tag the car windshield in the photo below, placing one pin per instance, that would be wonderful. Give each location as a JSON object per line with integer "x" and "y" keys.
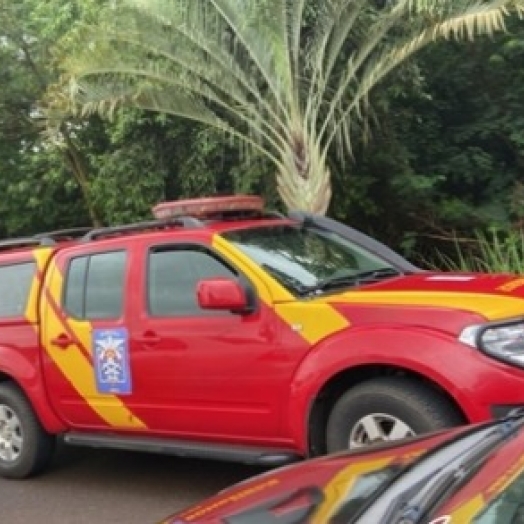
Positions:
{"x": 507, "y": 507}
{"x": 334, "y": 505}
{"x": 439, "y": 474}
{"x": 309, "y": 261}
{"x": 362, "y": 491}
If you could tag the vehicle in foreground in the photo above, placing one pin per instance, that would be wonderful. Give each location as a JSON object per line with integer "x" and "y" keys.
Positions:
{"x": 222, "y": 331}
{"x": 470, "y": 475}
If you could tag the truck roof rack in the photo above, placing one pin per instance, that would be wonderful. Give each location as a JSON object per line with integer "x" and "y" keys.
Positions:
{"x": 13, "y": 243}
{"x": 47, "y": 239}
{"x": 65, "y": 234}
{"x": 187, "y": 222}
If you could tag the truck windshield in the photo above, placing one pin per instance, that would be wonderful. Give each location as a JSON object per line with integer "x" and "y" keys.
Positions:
{"x": 310, "y": 261}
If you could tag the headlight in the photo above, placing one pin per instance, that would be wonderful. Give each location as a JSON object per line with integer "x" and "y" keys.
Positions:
{"x": 502, "y": 341}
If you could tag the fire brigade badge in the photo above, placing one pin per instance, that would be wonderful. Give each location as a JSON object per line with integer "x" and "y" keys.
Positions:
{"x": 111, "y": 359}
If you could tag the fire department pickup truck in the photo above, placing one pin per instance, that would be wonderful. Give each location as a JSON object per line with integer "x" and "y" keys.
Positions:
{"x": 222, "y": 331}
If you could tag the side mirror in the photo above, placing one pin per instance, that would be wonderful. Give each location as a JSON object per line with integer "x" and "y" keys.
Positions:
{"x": 222, "y": 294}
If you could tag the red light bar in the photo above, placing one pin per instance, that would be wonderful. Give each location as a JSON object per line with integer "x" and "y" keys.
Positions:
{"x": 206, "y": 207}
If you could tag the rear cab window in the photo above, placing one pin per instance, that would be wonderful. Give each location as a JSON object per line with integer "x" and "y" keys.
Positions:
{"x": 15, "y": 286}
{"x": 94, "y": 286}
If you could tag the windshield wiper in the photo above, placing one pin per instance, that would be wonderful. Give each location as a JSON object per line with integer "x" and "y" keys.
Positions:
{"x": 286, "y": 279}
{"x": 455, "y": 475}
{"x": 350, "y": 280}
{"x": 419, "y": 501}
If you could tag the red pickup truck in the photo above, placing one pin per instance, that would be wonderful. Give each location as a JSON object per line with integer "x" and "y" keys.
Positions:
{"x": 220, "y": 330}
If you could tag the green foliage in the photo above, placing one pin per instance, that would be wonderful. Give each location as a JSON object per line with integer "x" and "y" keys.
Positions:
{"x": 249, "y": 69}
{"x": 446, "y": 156}
{"x": 36, "y": 189}
{"x": 141, "y": 158}
{"x": 491, "y": 251}
{"x": 479, "y": 151}
{"x": 36, "y": 176}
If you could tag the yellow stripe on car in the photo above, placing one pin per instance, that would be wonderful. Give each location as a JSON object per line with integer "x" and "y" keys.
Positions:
{"x": 492, "y": 307}
{"x": 41, "y": 256}
{"x": 468, "y": 511}
{"x": 266, "y": 290}
{"x": 338, "y": 488}
{"x": 75, "y": 365}
{"x": 311, "y": 320}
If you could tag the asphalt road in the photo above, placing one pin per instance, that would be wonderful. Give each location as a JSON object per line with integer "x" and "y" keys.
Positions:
{"x": 89, "y": 486}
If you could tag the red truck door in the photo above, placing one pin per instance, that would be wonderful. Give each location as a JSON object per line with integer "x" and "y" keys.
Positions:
{"x": 85, "y": 337}
{"x": 196, "y": 372}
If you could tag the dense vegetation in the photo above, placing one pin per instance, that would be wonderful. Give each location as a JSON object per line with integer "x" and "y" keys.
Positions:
{"x": 440, "y": 156}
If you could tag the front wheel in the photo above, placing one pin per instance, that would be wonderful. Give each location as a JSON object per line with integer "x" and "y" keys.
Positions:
{"x": 386, "y": 409}
{"x": 25, "y": 448}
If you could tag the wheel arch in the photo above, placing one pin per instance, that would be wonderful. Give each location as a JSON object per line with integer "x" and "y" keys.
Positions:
{"x": 346, "y": 379}
{"x": 6, "y": 377}
{"x": 35, "y": 393}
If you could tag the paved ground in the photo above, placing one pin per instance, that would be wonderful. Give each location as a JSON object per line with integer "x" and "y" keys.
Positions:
{"x": 86, "y": 486}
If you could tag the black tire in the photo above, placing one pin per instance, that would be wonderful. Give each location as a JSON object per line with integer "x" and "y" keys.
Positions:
{"x": 25, "y": 447}
{"x": 387, "y": 403}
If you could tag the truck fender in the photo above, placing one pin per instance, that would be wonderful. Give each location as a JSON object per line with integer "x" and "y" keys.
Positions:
{"x": 422, "y": 351}
{"x": 24, "y": 369}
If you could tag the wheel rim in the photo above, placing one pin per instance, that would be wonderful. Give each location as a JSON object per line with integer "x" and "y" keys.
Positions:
{"x": 11, "y": 440}
{"x": 378, "y": 427}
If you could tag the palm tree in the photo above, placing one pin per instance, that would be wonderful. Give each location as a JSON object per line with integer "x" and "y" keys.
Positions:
{"x": 289, "y": 78}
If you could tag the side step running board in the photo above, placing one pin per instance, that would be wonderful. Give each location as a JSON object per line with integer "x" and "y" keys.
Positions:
{"x": 206, "y": 450}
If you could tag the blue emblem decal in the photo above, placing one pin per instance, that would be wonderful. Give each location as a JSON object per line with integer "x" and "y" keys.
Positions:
{"x": 111, "y": 359}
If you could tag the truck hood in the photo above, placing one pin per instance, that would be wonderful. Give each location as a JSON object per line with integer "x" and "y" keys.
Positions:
{"x": 491, "y": 296}
{"x": 498, "y": 283}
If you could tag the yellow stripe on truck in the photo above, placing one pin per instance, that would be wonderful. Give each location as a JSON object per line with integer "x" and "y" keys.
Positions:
{"x": 492, "y": 307}
{"x": 313, "y": 321}
{"x": 267, "y": 291}
{"x": 41, "y": 256}
{"x": 77, "y": 368}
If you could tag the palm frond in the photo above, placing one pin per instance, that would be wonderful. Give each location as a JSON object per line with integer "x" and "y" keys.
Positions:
{"x": 379, "y": 28}
{"x": 103, "y": 90}
{"x": 472, "y": 19}
{"x": 295, "y": 20}
{"x": 258, "y": 27}
{"x": 201, "y": 63}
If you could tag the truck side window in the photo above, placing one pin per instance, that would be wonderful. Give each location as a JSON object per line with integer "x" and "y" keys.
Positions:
{"x": 15, "y": 285}
{"x": 94, "y": 286}
{"x": 173, "y": 274}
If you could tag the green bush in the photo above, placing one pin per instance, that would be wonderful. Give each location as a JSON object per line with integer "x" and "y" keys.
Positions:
{"x": 494, "y": 251}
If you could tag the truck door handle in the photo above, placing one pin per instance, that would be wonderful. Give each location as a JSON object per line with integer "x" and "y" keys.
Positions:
{"x": 62, "y": 341}
{"x": 149, "y": 337}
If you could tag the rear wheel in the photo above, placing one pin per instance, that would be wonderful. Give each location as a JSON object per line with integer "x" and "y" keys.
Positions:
{"x": 25, "y": 448}
{"x": 386, "y": 409}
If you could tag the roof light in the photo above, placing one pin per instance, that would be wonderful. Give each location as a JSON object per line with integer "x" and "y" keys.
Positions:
{"x": 207, "y": 207}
